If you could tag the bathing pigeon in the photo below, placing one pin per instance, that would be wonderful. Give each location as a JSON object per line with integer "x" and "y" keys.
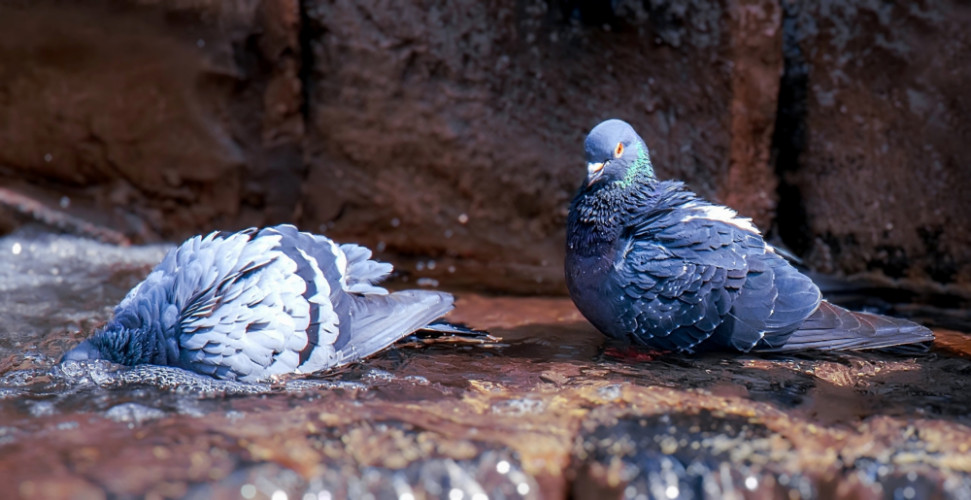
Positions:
{"x": 650, "y": 262}
{"x": 261, "y": 302}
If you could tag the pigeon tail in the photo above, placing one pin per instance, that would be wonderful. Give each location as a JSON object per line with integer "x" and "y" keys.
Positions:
{"x": 377, "y": 321}
{"x": 832, "y": 328}
{"x": 442, "y": 328}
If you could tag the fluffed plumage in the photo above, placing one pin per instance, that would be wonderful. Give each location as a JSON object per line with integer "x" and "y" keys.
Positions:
{"x": 257, "y": 303}
{"x": 651, "y": 262}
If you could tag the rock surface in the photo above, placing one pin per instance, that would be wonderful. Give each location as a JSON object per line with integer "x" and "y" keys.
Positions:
{"x": 873, "y": 138}
{"x": 544, "y": 413}
{"x": 452, "y": 131}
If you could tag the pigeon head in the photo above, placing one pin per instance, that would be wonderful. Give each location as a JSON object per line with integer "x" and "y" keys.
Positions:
{"x": 616, "y": 154}
{"x": 118, "y": 345}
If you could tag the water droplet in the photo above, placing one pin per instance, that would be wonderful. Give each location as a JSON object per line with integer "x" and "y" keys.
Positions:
{"x": 751, "y": 483}
{"x": 672, "y": 491}
{"x": 406, "y": 496}
{"x": 431, "y": 265}
{"x": 248, "y": 491}
{"x": 463, "y": 218}
{"x": 427, "y": 282}
{"x": 16, "y": 248}
{"x": 502, "y": 467}
{"x": 455, "y": 494}
{"x": 522, "y": 488}
{"x": 909, "y": 492}
{"x": 279, "y": 495}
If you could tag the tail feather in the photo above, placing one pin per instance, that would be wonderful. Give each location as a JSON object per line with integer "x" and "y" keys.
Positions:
{"x": 448, "y": 332}
{"x": 381, "y": 320}
{"x": 834, "y": 328}
{"x": 362, "y": 273}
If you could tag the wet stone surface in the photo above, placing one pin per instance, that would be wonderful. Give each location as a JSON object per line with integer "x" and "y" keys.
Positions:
{"x": 542, "y": 413}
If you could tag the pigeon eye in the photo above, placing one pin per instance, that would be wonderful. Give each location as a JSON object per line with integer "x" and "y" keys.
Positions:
{"x": 619, "y": 150}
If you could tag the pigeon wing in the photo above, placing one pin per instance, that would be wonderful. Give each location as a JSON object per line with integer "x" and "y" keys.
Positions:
{"x": 256, "y": 315}
{"x": 679, "y": 278}
{"x": 376, "y": 321}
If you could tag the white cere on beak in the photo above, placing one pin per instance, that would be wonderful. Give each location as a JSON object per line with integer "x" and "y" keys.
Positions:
{"x": 594, "y": 171}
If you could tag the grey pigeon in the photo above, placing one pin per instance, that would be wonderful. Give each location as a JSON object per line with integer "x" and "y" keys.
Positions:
{"x": 650, "y": 262}
{"x": 257, "y": 303}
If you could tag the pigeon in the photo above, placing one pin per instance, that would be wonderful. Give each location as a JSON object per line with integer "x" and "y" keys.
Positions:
{"x": 260, "y": 303}
{"x": 651, "y": 263}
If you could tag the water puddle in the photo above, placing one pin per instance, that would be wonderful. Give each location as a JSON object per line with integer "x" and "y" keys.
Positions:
{"x": 544, "y": 412}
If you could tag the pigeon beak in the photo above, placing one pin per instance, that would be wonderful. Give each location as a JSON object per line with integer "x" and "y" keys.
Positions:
{"x": 84, "y": 351}
{"x": 594, "y": 171}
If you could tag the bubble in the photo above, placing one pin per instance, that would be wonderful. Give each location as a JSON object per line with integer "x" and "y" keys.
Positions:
{"x": 909, "y": 492}
{"x": 751, "y": 483}
{"x": 133, "y": 413}
{"x": 427, "y": 282}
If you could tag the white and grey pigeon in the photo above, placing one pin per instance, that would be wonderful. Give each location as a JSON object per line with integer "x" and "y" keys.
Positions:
{"x": 258, "y": 303}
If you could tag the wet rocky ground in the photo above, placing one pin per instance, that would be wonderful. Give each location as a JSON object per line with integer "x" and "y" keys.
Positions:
{"x": 546, "y": 412}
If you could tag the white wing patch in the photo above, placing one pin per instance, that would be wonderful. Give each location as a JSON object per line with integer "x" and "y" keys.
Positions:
{"x": 722, "y": 214}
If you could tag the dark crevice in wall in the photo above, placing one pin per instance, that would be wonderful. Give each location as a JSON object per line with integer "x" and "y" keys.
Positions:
{"x": 789, "y": 138}
{"x": 310, "y": 30}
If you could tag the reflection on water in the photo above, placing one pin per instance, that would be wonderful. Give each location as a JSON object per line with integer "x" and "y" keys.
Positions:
{"x": 543, "y": 412}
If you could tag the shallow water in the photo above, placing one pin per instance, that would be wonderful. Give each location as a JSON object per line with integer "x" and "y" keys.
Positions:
{"x": 542, "y": 413}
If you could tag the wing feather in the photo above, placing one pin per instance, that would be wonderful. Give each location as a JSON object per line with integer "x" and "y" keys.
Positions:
{"x": 690, "y": 272}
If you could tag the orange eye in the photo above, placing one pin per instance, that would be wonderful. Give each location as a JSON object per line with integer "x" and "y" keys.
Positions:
{"x": 619, "y": 150}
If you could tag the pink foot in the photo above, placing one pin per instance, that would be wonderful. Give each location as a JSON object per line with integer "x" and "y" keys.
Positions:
{"x": 634, "y": 354}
